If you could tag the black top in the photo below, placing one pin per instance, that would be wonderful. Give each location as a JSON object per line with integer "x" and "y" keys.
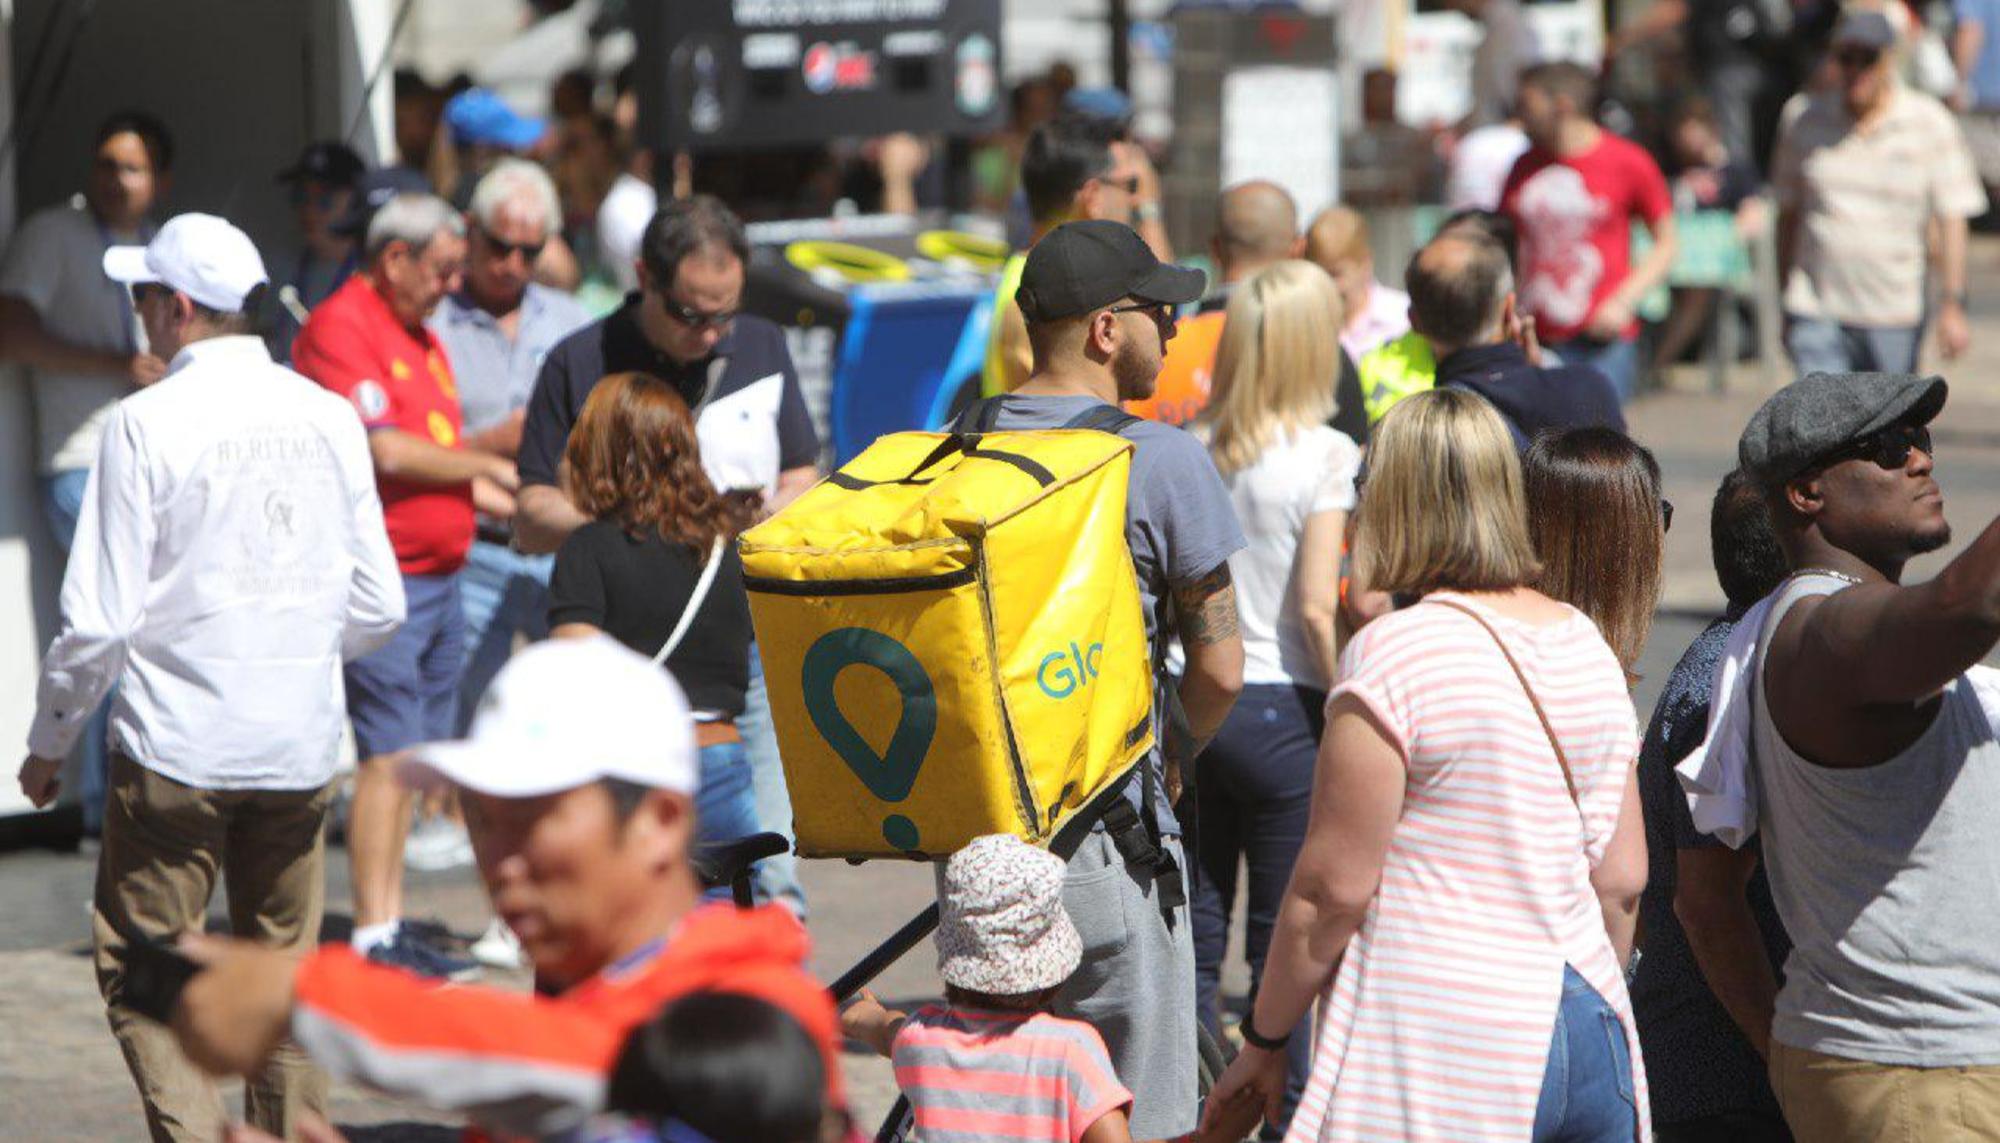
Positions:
{"x": 1698, "y": 1063}
{"x": 635, "y": 590}
{"x": 754, "y": 349}
{"x": 1529, "y": 397}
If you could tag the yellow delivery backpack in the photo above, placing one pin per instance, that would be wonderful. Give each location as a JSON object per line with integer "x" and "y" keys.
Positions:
{"x": 952, "y": 639}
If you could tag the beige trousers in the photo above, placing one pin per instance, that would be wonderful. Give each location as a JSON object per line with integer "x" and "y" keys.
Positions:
{"x": 1830, "y": 1099}
{"x": 164, "y": 845}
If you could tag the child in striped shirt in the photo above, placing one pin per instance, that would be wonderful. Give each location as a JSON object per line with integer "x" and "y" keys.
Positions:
{"x": 992, "y": 1063}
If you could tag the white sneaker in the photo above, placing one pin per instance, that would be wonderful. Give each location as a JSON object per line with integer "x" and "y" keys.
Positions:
{"x": 498, "y": 948}
{"x": 437, "y": 844}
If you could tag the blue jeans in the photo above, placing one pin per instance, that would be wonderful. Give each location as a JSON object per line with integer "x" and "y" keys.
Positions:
{"x": 1617, "y": 360}
{"x": 502, "y": 593}
{"x": 1822, "y": 345}
{"x": 62, "y": 500}
{"x": 777, "y": 877}
{"x": 725, "y": 808}
{"x": 1253, "y": 793}
{"x": 1587, "y": 1091}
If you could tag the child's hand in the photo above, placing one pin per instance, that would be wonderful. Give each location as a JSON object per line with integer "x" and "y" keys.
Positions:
{"x": 867, "y": 1021}
{"x": 1230, "y": 1122}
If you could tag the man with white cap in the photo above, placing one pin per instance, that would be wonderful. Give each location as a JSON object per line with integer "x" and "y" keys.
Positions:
{"x": 578, "y": 782}
{"x": 229, "y": 555}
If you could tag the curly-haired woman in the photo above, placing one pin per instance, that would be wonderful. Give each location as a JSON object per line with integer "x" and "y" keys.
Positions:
{"x": 631, "y": 573}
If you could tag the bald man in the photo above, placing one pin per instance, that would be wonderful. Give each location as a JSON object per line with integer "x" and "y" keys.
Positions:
{"x": 1462, "y": 302}
{"x": 1338, "y": 243}
{"x": 1256, "y": 224}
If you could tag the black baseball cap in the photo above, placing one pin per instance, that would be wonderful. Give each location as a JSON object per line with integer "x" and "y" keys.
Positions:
{"x": 1082, "y": 266}
{"x": 372, "y": 191}
{"x": 328, "y": 161}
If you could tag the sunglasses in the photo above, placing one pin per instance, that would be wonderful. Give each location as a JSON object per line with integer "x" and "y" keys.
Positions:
{"x": 1129, "y": 184}
{"x": 529, "y": 251}
{"x": 319, "y": 198}
{"x": 1162, "y": 312}
{"x": 143, "y": 290}
{"x": 1857, "y": 59}
{"x": 695, "y": 319}
{"x": 1889, "y": 449}
{"x": 1666, "y": 515}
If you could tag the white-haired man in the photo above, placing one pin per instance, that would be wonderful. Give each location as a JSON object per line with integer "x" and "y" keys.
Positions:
{"x": 496, "y": 329}
{"x": 368, "y": 343}
{"x": 229, "y": 555}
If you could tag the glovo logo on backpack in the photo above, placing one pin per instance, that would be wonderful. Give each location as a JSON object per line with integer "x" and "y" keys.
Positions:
{"x": 952, "y": 640}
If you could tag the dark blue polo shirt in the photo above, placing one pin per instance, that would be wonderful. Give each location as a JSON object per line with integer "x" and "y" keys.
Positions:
{"x": 1531, "y": 398}
{"x": 753, "y": 351}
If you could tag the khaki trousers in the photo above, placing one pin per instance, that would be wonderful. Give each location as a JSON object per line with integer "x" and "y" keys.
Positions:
{"x": 1830, "y": 1099}
{"x": 164, "y": 843}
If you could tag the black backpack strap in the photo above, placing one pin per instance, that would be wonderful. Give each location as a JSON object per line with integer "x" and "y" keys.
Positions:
{"x": 978, "y": 417}
{"x": 1104, "y": 418}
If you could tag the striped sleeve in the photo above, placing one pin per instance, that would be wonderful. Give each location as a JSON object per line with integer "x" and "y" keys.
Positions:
{"x": 1094, "y": 1088}
{"x": 1372, "y": 671}
{"x": 518, "y": 1063}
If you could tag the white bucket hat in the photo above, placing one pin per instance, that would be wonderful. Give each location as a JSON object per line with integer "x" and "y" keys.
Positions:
{"x": 1002, "y": 928}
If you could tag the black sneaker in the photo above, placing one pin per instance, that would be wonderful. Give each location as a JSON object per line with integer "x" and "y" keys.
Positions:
{"x": 411, "y": 955}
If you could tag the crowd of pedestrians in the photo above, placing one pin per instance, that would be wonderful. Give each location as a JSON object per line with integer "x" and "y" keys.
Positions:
{"x": 1397, "y": 559}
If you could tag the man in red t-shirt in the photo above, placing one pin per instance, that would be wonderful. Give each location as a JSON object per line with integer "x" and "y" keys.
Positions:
{"x": 368, "y": 343}
{"x": 1573, "y": 197}
{"x": 579, "y": 777}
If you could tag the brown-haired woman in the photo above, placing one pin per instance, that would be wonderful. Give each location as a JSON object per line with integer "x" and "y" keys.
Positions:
{"x": 657, "y": 523}
{"x": 1599, "y": 528}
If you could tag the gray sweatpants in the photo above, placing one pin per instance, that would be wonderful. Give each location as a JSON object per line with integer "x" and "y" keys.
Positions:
{"x": 1136, "y": 984}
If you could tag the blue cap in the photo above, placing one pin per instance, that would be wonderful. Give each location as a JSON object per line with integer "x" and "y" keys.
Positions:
{"x": 477, "y": 117}
{"x": 1107, "y": 103}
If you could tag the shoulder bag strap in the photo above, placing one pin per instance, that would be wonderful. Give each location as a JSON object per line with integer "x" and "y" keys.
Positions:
{"x": 1548, "y": 728}
{"x": 694, "y": 602}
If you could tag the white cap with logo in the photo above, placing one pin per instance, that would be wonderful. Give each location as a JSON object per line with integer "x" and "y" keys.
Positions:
{"x": 199, "y": 255}
{"x": 562, "y": 714}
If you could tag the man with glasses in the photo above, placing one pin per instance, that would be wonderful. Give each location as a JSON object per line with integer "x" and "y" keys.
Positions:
{"x": 735, "y": 372}
{"x": 497, "y": 330}
{"x": 1861, "y": 177}
{"x": 1099, "y": 308}
{"x": 229, "y": 557}
{"x": 1072, "y": 167}
{"x": 369, "y": 344}
{"x": 1870, "y": 734}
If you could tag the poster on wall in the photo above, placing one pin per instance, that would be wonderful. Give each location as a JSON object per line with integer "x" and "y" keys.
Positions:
{"x": 746, "y": 73}
{"x": 1300, "y": 149}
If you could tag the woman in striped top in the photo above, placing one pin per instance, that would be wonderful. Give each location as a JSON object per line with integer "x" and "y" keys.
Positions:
{"x": 1466, "y": 892}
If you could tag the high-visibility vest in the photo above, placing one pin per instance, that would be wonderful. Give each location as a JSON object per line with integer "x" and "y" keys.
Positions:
{"x": 1394, "y": 371}
{"x": 1186, "y": 374}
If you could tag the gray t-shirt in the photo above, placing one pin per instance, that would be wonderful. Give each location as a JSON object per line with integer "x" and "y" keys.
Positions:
{"x": 1179, "y": 519}
{"x": 1885, "y": 877}
{"x": 55, "y": 264}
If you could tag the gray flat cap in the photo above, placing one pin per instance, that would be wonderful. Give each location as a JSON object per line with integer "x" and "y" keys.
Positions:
{"x": 1823, "y": 411}
{"x": 1864, "y": 28}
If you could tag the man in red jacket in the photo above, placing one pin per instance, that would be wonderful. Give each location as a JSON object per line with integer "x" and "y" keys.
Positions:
{"x": 578, "y": 781}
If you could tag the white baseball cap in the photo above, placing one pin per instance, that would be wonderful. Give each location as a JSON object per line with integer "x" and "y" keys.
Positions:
{"x": 562, "y": 714}
{"x": 199, "y": 255}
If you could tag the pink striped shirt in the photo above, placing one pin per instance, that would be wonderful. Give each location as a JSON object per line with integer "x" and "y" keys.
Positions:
{"x": 1437, "y": 1023}
{"x": 974, "y": 1074}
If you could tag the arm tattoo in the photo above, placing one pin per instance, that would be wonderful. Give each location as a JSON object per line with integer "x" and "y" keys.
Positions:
{"x": 1207, "y": 608}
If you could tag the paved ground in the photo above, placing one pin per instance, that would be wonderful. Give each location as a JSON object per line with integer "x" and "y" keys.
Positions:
{"x": 61, "y": 1077}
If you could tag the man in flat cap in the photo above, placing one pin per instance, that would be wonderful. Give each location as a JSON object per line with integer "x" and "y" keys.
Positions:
{"x": 1862, "y": 178}
{"x": 1877, "y": 770}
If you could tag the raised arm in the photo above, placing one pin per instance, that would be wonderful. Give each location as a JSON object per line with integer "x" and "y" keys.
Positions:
{"x": 1880, "y": 643}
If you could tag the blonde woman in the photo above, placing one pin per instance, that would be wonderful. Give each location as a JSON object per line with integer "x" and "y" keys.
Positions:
{"x": 1470, "y": 877}
{"x": 1292, "y": 481}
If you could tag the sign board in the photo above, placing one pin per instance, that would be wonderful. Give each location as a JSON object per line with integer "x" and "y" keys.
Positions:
{"x": 747, "y": 73}
{"x": 1282, "y": 123}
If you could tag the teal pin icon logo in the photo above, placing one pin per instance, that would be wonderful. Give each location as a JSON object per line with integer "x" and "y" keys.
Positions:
{"x": 891, "y": 775}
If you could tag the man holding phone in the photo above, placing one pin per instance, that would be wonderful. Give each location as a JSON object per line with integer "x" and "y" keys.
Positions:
{"x": 229, "y": 554}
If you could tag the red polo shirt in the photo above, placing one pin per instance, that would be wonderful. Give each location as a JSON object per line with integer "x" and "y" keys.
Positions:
{"x": 396, "y": 378}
